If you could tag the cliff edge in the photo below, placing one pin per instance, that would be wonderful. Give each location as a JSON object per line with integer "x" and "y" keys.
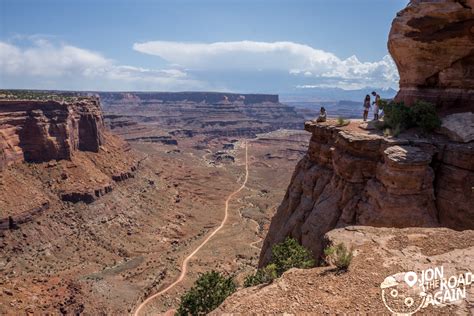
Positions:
{"x": 55, "y": 151}
{"x": 351, "y": 176}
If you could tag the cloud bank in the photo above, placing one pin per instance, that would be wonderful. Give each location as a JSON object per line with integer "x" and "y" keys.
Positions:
{"x": 244, "y": 66}
{"x": 47, "y": 65}
{"x": 317, "y": 67}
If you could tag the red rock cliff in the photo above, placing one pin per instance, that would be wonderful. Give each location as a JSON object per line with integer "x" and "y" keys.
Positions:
{"x": 432, "y": 43}
{"x": 39, "y": 131}
{"x": 360, "y": 178}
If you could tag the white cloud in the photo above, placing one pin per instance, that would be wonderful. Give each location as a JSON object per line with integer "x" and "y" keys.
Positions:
{"x": 296, "y": 59}
{"x": 44, "y": 64}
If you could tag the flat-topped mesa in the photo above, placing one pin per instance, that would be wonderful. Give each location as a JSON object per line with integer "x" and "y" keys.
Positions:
{"x": 432, "y": 43}
{"x": 351, "y": 176}
{"x": 197, "y": 97}
{"x": 40, "y": 131}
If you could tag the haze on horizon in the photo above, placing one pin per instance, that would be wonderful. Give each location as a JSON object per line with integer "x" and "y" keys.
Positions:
{"x": 206, "y": 45}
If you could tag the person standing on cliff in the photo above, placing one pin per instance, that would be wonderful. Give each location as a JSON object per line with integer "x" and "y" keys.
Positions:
{"x": 366, "y": 107}
{"x": 376, "y": 104}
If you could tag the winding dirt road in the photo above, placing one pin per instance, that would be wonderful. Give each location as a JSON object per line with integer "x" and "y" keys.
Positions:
{"x": 184, "y": 265}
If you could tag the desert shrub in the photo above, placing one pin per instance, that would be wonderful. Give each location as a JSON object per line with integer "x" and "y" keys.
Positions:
{"x": 290, "y": 254}
{"x": 383, "y": 104}
{"x": 208, "y": 292}
{"x": 265, "y": 275}
{"x": 285, "y": 255}
{"x": 425, "y": 116}
{"x": 398, "y": 116}
{"x": 342, "y": 121}
{"x": 339, "y": 256}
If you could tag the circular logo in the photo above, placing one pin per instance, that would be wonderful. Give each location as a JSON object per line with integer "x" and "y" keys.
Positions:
{"x": 401, "y": 293}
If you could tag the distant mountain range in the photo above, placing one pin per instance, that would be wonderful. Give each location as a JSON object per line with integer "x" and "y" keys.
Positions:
{"x": 318, "y": 95}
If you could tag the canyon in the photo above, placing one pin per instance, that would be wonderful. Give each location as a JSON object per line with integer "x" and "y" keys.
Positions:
{"x": 113, "y": 201}
{"x": 96, "y": 224}
{"x": 400, "y": 203}
{"x": 199, "y": 113}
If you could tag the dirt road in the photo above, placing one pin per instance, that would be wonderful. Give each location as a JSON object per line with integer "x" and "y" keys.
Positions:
{"x": 184, "y": 265}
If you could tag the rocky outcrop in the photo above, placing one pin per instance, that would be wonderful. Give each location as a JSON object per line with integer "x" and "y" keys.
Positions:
{"x": 353, "y": 177}
{"x": 70, "y": 156}
{"x": 12, "y": 222}
{"x": 432, "y": 43}
{"x": 40, "y": 131}
{"x": 378, "y": 253}
{"x": 459, "y": 127}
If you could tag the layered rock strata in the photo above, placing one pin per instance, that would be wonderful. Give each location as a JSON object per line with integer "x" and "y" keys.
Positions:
{"x": 53, "y": 152}
{"x": 208, "y": 113}
{"x": 432, "y": 43}
{"x": 357, "y": 178}
{"x": 39, "y": 131}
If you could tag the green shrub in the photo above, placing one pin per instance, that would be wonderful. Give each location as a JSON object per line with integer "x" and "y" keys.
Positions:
{"x": 265, "y": 275}
{"x": 342, "y": 121}
{"x": 285, "y": 255}
{"x": 290, "y": 254}
{"x": 425, "y": 116}
{"x": 208, "y": 292}
{"x": 398, "y": 116}
{"x": 339, "y": 256}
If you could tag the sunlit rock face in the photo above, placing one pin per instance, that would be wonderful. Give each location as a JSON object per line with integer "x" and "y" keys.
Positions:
{"x": 40, "y": 131}
{"x": 432, "y": 43}
{"x": 355, "y": 178}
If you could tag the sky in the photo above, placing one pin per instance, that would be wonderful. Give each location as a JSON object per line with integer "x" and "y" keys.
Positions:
{"x": 264, "y": 46}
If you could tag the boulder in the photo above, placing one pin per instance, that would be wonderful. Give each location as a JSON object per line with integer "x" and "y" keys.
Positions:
{"x": 432, "y": 44}
{"x": 459, "y": 127}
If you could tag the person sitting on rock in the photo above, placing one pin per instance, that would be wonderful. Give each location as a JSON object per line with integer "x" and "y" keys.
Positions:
{"x": 366, "y": 107}
{"x": 322, "y": 115}
{"x": 376, "y": 104}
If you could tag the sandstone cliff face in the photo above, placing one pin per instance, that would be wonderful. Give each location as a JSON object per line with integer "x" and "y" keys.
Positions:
{"x": 432, "y": 43}
{"x": 39, "y": 131}
{"x": 71, "y": 156}
{"x": 353, "y": 177}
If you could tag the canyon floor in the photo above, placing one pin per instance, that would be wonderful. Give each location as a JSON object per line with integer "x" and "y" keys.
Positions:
{"x": 109, "y": 255}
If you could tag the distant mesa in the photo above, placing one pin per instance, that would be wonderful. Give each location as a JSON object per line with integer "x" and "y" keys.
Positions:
{"x": 189, "y": 114}
{"x": 197, "y": 97}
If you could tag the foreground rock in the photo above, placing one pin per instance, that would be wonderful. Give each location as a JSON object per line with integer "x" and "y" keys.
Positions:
{"x": 432, "y": 43}
{"x": 459, "y": 127}
{"x": 355, "y": 177}
{"x": 379, "y": 253}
